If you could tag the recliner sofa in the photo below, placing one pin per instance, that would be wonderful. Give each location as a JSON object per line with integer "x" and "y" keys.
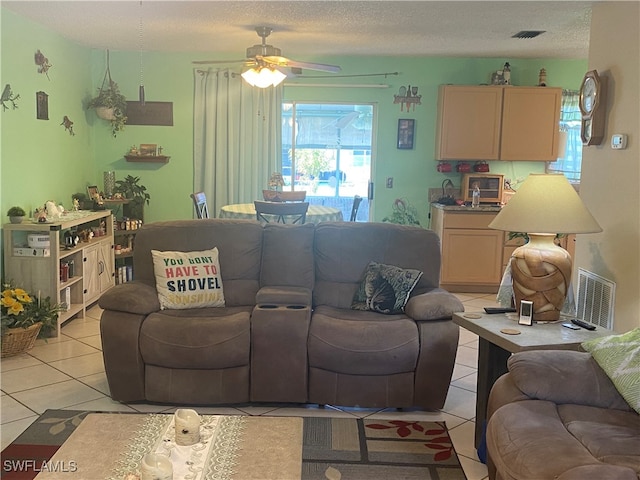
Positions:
{"x": 556, "y": 415}
{"x": 287, "y": 332}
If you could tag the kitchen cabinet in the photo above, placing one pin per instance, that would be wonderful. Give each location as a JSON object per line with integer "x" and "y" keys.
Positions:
{"x": 72, "y": 275}
{"x": 471, "y": 251}
{"x": 474, "y": 256}
{"x": 498, "y": 123}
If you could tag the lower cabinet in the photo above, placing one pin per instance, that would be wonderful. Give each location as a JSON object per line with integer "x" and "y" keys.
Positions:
{"x": 98, "y": 267}
{"x": 471, "y": 251}
{"x": 474, "y": 256}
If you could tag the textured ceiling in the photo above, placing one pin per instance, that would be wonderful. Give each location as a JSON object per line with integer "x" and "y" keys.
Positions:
{"x": 305, "y": 28}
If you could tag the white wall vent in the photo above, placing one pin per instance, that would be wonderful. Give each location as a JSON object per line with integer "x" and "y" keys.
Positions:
{"x": 596, "y": 298}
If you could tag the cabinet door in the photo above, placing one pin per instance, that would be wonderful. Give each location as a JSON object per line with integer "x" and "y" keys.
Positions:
{"x": 90, "y": 273}
{"x": 530, "y": 123}
{"x": 106, "y": 261}
{"x": 472, "y": 256}
{"x": 468, "y": 123}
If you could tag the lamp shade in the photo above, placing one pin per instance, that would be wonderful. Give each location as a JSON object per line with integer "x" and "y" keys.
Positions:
{"x": 545, "y": 203}
{"x": 263, "y": 77}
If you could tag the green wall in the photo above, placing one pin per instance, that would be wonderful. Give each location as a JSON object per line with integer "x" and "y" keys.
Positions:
{"x": 55, "y": 165}
{"x": 40, "y": 160}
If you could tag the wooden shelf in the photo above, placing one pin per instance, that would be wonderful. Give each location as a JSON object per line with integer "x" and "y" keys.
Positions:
{"x": 147, "y": 158}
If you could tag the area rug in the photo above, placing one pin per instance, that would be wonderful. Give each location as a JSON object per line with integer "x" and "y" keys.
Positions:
{"x": 332, "y": 448}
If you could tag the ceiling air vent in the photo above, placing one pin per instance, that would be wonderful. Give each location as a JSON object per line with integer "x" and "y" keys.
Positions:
{"x": 528, "y": 33}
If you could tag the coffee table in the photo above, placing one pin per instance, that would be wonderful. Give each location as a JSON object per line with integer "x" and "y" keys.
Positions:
{"x": 495, "y": 347}
{"x": 110, "y": 446}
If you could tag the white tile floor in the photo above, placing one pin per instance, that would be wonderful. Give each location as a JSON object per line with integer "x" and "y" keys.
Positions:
{"x": 68, "y": 373}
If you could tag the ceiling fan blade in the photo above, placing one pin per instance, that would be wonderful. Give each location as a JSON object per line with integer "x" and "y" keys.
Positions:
{"x": 212, "y": 62}
{"x": 285, "y": 62}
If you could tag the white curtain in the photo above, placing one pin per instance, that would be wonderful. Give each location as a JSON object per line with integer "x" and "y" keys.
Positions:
{"x": 237, "y": 137}
{"x": 570, "y": 120}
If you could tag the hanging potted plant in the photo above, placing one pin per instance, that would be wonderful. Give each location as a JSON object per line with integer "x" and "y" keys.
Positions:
{"x": 110, "y": 104}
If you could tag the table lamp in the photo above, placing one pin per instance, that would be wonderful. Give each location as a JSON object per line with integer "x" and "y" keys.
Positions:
{"x": 543, "y": 206}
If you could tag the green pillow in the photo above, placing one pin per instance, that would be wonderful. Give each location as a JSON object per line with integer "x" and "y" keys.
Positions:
{"x": 619, "y": 357}
{"x": 385, "y": 288}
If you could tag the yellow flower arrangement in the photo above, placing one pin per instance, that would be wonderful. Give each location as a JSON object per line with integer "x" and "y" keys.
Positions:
{"x": 14, "y": 300}
{"x": 19, "y": 310}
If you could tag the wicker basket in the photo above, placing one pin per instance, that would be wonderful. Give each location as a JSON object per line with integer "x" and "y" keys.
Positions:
{"x": 19, "y": 340}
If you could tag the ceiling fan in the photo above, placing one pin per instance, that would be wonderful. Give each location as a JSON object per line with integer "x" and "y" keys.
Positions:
{"x": 268, "y": 56}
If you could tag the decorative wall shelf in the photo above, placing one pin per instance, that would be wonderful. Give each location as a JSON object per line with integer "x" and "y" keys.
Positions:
{"x": 147, "y": 158}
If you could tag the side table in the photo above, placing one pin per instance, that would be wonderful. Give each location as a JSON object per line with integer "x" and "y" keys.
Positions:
{"x": 495, "y": 347}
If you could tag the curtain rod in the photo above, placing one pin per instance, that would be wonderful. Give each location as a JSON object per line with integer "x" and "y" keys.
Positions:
{"x": 337, "y": 85}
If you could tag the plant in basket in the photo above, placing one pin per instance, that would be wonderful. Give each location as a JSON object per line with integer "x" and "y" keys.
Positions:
{"x": 24, "y": 318}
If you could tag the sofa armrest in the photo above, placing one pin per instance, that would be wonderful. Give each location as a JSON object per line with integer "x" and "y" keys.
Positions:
{"x": 131, "y": 297}
{"x": 564, "y": 376}
{"x": 435, "y": 304}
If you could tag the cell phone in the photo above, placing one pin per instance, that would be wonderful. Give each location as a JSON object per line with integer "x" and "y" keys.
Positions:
{"x": 571, "y": 326}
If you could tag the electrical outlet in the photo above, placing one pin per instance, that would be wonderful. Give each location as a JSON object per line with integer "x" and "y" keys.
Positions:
{"x": 389, "y": 182}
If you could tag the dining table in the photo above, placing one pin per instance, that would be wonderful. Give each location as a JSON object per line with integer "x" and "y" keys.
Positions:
{"x": 315, "y": 213}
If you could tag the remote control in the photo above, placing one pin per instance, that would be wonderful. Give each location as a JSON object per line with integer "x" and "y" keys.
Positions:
{"x": 492, "y": 310}
{"x": 582, "y": 324}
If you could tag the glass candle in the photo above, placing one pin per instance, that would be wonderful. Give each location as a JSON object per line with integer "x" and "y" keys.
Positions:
{"x": 156, "y": 467}
{"x": 187, "y": 423}
{"x": 109, "y": 183}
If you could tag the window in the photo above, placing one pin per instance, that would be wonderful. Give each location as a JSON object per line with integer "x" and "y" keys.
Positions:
{"x": 327, "y": 152}
{"x": 570, "y": 152}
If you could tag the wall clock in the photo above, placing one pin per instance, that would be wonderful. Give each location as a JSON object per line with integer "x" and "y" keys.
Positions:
{"x": 592, "y": 106}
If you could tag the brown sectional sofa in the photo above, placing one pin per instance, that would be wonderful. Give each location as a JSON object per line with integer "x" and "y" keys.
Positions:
{"x": 287, "y": 332}
{"x": 557, "y": 416}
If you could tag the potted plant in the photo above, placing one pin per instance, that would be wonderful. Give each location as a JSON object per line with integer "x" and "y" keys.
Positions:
{"x": 110, "y": 105}
{"x": 403, "y": 213}
{"x": 24, "y": 318}
{"x": 16, "y": 214}
{"x": 137, "y": 195}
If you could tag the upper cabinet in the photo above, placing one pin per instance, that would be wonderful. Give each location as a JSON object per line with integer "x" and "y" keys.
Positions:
{"x": 498, "y": 123}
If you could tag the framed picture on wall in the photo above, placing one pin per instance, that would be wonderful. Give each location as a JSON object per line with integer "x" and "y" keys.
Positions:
{"x": 406, "y": 128}
{"x": 148, "y": 149}
{"x": 42, "y": 106}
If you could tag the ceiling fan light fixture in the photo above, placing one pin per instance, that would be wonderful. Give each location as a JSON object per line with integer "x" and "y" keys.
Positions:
{"x": 263, "y": 77}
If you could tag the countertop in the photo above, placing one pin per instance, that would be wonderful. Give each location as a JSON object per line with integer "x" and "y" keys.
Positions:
{"x": 467, "y": 209}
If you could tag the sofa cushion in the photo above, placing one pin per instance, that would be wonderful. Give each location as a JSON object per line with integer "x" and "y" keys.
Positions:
{"x": 567, "y": 437}
{"x": 619, "y": 357}
{"x": 239, "y": 244}
{"x": 385, "y": 288}
{"x": 570, "y": 377}
{"x": 209, "y": 338}
{"x": 188, "y": 279}
{"x": 611, "y": 436}
{"x": 344, "y": 249}
{"x": 361, "y": 342}
{"x": 287, "y": 255}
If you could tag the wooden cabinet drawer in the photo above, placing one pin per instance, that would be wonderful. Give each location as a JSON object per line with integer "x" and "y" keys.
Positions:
{"x": 468, "y": 220}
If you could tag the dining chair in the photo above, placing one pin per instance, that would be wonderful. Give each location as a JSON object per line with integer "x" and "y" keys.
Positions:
{"x": 276, "y": 196}
{"x": 297, "y": 211}
{"x": 357, "y": 200}
{"x": 200, "y": 203}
